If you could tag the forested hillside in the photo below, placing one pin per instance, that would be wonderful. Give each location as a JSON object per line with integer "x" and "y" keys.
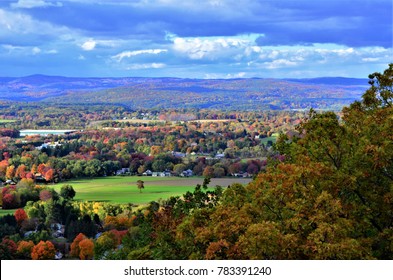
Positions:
{"x": 173, "y": 93}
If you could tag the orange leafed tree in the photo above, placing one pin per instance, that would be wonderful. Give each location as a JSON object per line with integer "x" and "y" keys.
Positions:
{"x": 41, "y": 168}
{"x": 82, "y": 247}
{"x": 10, "y": 173}
{"x": 21, "y": 171}
{"x": 24, "y": 249}
{"x": 49, "y": 175}
{"x": 75, "y": 250}
{"x": 44, "y": 250}
{"x": 86, "y": 249}
{"x": 3, "y": 167}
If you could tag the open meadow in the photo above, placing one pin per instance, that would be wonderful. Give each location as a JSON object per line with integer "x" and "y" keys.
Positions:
{"x": 123, "y": 189}
{"x": 6, "y": 121}
{"x": 7, "y": 211}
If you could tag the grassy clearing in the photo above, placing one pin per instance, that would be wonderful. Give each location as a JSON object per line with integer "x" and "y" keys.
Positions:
{"x": 211, "y": 120}
{"x": 140, "y": 121}
{"x": 7, "y": 121}
{"x": 244, "y": 160}
{"x": 134, "y": 121}
{"x": 124, "y": 189}
{"x": 7, "y": 211}
{"x": 272, "y": 138}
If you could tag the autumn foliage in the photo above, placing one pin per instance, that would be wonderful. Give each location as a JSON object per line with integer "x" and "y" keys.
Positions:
{"x": 86, "y": 249}
{"x": 44, "y": 250}
{"x": 120, "y": 222}
{"x": 75, "y": 249}
{"x": 82, "y": 247}
{"x": 20, "y": 216}
{"x": 324, "y": 193}
{"x": 24, "y": 249}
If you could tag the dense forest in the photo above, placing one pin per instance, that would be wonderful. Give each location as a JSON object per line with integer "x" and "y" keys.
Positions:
{"x": 322, "y": 191}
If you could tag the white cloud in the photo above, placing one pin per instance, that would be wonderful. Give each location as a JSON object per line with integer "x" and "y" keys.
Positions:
{"x": 236, "y": 75}
{"x": 145, "y": 66}
{"x": 53, "y": 51}
{"x": 119, "y": 57}
{"x": 28, "y": 4}
{"x": 15, "y": 24}
{"x": 89, "y": 45}
{"x": 10, "y": 48}
{"x": 26, "y": 50}
{"x": 280, "y": 63}
{"x": 370, "y": 59}
{"x": 36, "y": 50}
{"x": 210, "y": 48}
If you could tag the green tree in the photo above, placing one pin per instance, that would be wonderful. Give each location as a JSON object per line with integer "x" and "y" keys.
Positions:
{"x": 67, "y": 192}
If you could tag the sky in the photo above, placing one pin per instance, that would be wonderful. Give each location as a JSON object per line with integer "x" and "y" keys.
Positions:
{"x": 196, "y": 38}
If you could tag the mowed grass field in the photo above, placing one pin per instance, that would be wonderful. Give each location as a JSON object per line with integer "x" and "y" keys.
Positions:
{"x": 7, "y": 121}
{"x": 272, "y": 138}
{"x": 8, "y": 211}
{"x": 123, "y": 189}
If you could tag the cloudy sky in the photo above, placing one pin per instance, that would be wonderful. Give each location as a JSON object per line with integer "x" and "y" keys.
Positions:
{"x": 196, "y": 38}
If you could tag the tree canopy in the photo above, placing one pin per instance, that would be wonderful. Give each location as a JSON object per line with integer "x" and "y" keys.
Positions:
{"x": 331, "y": 198}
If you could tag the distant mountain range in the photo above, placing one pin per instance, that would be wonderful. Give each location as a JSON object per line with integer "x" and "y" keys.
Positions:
{"x": 239, "y": 94}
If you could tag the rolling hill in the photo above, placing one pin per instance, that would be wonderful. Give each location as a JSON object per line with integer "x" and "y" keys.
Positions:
{"x": 240, "y": 94}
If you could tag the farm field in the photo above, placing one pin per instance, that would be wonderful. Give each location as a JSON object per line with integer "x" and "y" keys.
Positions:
{"x": 272, "y": 138}
{"x": 5, "y": 212}
{"x": 123, "y": 189}
{"x": 134, "y": 121}
{"x": 7, "y": 121}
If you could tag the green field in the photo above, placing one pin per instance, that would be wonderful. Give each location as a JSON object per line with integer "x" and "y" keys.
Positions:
{"x": 272, "y": 138}
{"x": 7, "y": 121}
{"x": 124, "y": 189}
{"x": 5, "y": 212}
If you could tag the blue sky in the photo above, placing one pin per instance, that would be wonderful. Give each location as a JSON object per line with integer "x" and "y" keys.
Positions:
{"x": 196, "y": 39}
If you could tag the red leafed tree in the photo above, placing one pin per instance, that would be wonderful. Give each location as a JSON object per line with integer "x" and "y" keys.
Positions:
{"x": 10, "y": 244}
{"x": 44, "y": 250}
{"x": 11, "y": 200}
{"x": 20, "y": 216}
{"x": 30, "y": 175}
{"x": 6, "y": 155}
{"x": 118, "y": 235}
